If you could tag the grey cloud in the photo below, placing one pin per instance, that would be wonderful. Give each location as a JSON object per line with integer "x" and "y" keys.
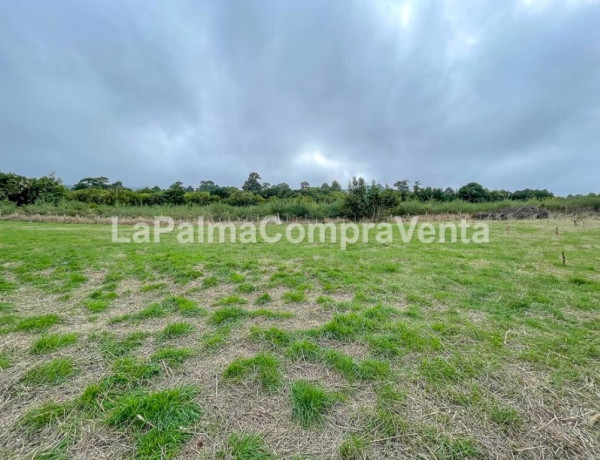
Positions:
{"x": 441, "y": 92}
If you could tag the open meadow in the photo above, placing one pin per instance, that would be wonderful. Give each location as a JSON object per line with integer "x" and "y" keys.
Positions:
{"x": 264, "y": 351}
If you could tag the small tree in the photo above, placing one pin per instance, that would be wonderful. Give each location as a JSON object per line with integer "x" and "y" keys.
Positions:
{"x": 253, "y": 184}
{"x": 335, "y": 186}
{"x": 449, "y": 194}
{"x": 175, "y": 194}
{"x": 389, "y": 198}
{"x": 15, "y": 188}
{"x": 473, "y": 193}
{"x": 357, "y": 202}
{"x": 403, "y": 188}
{"x": 417, "y": 188}
{"x": 48, "y": 189}
{"x": 92, "y": 182}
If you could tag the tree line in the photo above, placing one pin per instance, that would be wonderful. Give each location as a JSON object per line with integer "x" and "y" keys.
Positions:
{"x": 358, "y": 200}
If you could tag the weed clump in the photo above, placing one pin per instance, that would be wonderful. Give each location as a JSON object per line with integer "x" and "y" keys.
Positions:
{"x": 243, "y": 446}
{"x": 159, "y": 422}
{"x": 310, "y": 401}
{"x": 174, "y": 330}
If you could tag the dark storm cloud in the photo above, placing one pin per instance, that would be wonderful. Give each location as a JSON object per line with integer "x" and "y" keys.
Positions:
{"x": 507, "y": 94}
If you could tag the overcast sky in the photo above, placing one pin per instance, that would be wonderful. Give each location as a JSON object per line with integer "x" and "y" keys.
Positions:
{"x": 150, "y": 92}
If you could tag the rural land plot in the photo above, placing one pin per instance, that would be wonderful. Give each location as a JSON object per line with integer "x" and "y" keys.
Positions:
{"x": 300, "y": 351}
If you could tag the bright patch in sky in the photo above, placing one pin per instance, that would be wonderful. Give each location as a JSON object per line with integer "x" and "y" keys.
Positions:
{"x": 539, "y": 6}
{"x": 396, "y": 13}
{"x": 316, "y": 158}
{"x": 331, "y": 168}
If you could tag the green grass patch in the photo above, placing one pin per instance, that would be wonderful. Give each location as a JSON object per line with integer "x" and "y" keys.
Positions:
{"x": 52, "y": 342}
{"x": 346, "y": 365}
{"x": 504, "y": 416}
{"x": 132, "y": 371}
{"x": 304, "y": 349}
{"x": 174, "y": 357}
{"x": 5, "y": 361}
{"x": 38, "y": 323}
{"x": 246, "y": 288}
{"x": 236, "y": 277}
{"x": 154, "y": 310}
{"x": 113, "y": 347}
{"x": 215, "y": 339}
{"x": 227, "y": 315}
{"x": 368, "y": 369}
{"x": 263, "y": 299}
{"x": 310, "y": 402}
{"x": 273, "y": 336}
{"x": 347, "y": 327}
{"x": 210, "y": 281}
{"x": 6, "y": 307}
{"x": 160, "y": 422}
{"x": 353, "y": 448}
{"x": 50, "y": 373}
{"x": 99, "y": 301}
{"x": 153, "y": 287}
{"x": 175, "y": 330}
{"x": 232, "y": 300}
{"x": 294, "y": 296}
{"x": 168, "y": 306}
{"x": 457, "y": 448}
{"x": 270, "y": 314}
{"x": 233, "y": 314}
{"x": 263, "y": 367}
{"x": 242, "y": 446}
{"x": 45, "y": 415}
{"x": 96, "y": 305}
{"x": 404, "y": 339}
{"x": 453, "y": 369}
{"x": 183, "y": 306}
{"x": 6, "y": 286}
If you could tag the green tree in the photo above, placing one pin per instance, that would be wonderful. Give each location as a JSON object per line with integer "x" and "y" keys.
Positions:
{"x": 403, "y": 188}
{"x": 449, "y": 194}
{"x": 473, "y": 193}
{"x": 357, "y": 201}
{"x": 175, "y": 194}
{"x": 244, "y": 198}
{"x": 253, "y": 184}
{"x": 48, "y": 189}
{"x": 15, "y": 188}
{"x": 417, "y": 188}
{"x": 92, "y": 182}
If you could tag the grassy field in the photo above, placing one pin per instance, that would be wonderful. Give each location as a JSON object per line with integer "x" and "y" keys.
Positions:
{"x": 267, "y": 351}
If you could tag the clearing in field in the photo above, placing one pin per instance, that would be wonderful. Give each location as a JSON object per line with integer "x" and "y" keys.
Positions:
{"x": 265, "y": 351}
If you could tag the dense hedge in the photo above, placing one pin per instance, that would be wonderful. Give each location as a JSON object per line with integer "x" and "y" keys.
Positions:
{"x": 97, "y": 197}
